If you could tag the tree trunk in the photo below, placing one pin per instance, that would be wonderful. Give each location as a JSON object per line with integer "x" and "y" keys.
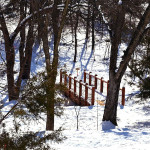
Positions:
{"x": 22, "y": 34}
{"x": 53, "y": 72}
{"x": 115, "y": 75}
{"x": 28, "y": 52}
{"x": 76, "y": 43}
{"x": 110, "y": 112}
{"x": 51, "y": 103}
{"x": 76, "y": 40}
{"x": 10, "y": 58}
{"x": 12, "y": 90}
{"x": 50, "y": 91}
{"x": 88, "y": 21}
{"x": 93, "y": 29}
{"x": 50, "y": 70}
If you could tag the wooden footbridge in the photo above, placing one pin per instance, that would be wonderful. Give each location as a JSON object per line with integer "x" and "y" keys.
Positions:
{"x": 83, "y": 92}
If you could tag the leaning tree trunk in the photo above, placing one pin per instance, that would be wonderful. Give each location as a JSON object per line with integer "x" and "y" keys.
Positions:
{"x": 115, "y": 75}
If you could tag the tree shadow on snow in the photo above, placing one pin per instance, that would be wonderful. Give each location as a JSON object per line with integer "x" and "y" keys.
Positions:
{"x": 87, "y": 63}
{"x": 144, "y": 124}
{"x": 123, "y": 132}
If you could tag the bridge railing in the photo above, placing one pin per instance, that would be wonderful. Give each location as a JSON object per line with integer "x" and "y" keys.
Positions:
{"x": 80, "y": 92}
{"x": 101, "y": 85}
{"x": 85, "y": 91}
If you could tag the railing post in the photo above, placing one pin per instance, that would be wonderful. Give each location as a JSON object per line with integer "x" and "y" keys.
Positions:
{"x": 90, "y": 78}
{"x": 80, "y": 91}
{"x": 93, "y": 95}
{"x": 75, "y": 85}
{"x": 84, "y": 76}
{"x": 69, "y": 81}
{"x": 96, "y": 81}
{"x": 60, "y": 76}
{"x": 101, "y": 87}
{"x": 123, "y": 96}
{"x": 86, "y": 93}
{"x": 65, "y": 82}
{"x": 107, "y": 86}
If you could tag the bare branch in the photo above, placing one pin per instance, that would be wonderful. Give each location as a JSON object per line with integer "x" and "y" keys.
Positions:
{"x": 24, "y": 21}
{"x": 134, "y": 42}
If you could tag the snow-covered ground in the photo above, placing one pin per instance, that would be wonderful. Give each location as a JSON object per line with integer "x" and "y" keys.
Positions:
{"x": 133, "y": 129}
{"x": 132, "y": 132}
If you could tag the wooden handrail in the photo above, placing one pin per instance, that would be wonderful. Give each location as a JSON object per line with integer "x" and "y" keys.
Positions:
{"x": 84, "y": 83}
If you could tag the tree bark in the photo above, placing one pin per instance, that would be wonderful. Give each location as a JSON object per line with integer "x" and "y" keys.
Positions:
{"x": 110, "y": 112}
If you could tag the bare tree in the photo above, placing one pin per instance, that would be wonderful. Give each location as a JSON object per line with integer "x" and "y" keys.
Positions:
{"x": 9, "y": 39}
{"x": 52, "y": 67}
{"x": 116, "y": 74}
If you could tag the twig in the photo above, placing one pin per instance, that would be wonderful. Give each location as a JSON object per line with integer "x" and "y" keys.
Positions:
{"x": 10, "y": 111}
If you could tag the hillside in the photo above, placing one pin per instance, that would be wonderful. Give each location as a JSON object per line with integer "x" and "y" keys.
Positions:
{"x": 133, "y": 119}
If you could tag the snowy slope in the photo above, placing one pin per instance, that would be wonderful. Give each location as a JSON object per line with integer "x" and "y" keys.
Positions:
{"x": 133, "y": 120}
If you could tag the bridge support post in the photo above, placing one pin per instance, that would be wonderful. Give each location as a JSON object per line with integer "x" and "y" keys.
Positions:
{"x": 80, "y": 91}
{"x": 75, "y": 85}
{"x": 93, "y": 96}
{"x": 90, "y": 76}
{"x": 84, "y": 76}
{"x": 60, "y": 76}
{"x": 65, "y": 82}
{"x": 86, "y": 93}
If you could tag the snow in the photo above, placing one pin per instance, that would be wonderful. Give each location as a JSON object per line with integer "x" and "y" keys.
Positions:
{"x": 107, "y": 125}
{"x": 132, "y": 133}
{"x": 120, "y": 2}
{"x": 133, "y": 130}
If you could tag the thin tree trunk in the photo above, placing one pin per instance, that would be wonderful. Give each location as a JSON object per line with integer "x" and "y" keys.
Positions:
{"x": 93, "y": 29}
{"x": 88, "y": 21}
{"x": 53, "y": 73}
{"x": 76, "y": 40}
{"x": 51, "y": 79}
{"x": 28, "y": 52}
{"x": 22, "y": 35}
{"x": 10, "y": 58}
